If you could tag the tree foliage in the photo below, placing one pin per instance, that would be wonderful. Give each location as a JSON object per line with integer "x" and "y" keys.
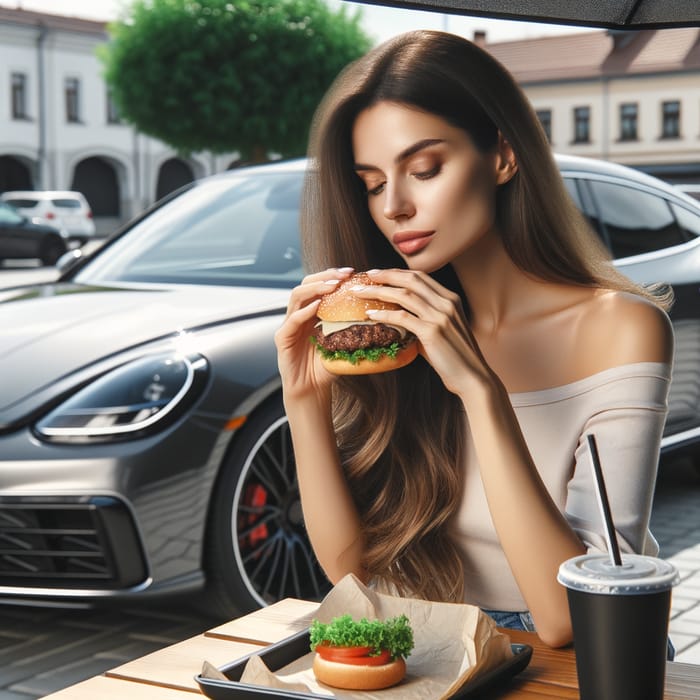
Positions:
{"x": 228, "y": 75}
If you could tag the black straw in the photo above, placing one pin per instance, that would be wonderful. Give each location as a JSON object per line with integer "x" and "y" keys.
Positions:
{"x": 613, "y": 548}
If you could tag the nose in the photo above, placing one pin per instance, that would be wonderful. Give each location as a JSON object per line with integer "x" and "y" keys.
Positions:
{"x": 397, "y": 201}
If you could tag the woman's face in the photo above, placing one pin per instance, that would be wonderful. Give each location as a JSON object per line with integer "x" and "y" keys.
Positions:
{"x": 429, "y": 190}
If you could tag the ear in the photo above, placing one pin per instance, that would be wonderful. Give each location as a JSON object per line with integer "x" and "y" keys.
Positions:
{"x": 506, "y": 165}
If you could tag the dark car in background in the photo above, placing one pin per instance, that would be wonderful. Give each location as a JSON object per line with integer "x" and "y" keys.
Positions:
{"x": 22, "y": 238}
{"x": 65, "y": 210}
{"x": 144, "y": 448}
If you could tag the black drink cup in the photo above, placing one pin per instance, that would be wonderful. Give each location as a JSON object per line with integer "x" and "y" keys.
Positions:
{"x": 620, "y": 618}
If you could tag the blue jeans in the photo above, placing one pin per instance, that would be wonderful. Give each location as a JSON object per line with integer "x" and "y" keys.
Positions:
{"x": 523, "y": 621}
{"x": 512, "y": 620}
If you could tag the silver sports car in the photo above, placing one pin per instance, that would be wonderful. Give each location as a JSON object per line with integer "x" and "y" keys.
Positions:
{"x": 144, "y": 448}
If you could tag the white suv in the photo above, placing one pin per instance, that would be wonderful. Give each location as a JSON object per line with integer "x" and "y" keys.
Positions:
{"x": 67, "y": 211}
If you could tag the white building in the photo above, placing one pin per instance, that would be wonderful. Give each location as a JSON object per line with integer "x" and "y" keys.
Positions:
{"x": 629, "y": 97}
{"x": 59, "y": 130}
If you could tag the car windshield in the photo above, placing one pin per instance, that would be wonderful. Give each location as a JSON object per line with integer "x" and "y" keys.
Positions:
{"x": 22, "y": 203}
{"x": 233, "y": 230}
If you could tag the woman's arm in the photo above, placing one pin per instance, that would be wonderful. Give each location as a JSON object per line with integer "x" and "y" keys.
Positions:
{"x": 534, "y": 534}
{"x": 628, "y": 423}
{"x": 331, "y": 519}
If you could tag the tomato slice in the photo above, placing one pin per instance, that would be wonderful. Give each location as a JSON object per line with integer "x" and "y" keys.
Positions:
{"x": 327, "y": 651}
{"x": 357, "y": 656}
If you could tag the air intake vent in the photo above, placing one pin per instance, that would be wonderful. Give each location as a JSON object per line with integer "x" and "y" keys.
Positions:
{"x": 68, "y": 544}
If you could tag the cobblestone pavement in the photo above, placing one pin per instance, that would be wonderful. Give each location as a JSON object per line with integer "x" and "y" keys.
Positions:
{"x": 43, "y": 650}
{"x": 676, "y": 524}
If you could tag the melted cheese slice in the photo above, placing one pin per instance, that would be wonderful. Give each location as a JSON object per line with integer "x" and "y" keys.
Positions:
{"x": 329, "y": 327}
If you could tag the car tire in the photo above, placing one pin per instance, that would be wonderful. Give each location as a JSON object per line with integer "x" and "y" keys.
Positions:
{"x": 51, "y": 250}
{"x": 257, "y": 551}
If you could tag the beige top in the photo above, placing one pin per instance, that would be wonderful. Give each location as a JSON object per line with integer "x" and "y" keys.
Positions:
{"x": 625, "y": 408}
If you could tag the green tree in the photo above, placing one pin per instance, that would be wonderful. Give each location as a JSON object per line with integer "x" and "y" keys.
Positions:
{"x": 228, "y": 75}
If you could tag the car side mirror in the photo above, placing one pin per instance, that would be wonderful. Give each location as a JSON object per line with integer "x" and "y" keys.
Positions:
{"x": 69, "y": 260}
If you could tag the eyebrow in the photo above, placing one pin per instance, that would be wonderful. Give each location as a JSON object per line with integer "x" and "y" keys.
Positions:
{"x": 406, "y": 153}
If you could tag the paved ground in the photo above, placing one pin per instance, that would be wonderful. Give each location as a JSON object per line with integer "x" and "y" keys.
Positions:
{"x": 44, "y": 650}
{"x": 676, "y": 524}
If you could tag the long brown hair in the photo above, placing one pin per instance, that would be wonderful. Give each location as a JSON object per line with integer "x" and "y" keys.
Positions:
{"x": 402, "y": 435}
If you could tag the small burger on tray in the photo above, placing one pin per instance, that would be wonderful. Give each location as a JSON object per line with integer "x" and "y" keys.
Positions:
{"x": 361, "y": 654}
{"x": 350, "y": 342}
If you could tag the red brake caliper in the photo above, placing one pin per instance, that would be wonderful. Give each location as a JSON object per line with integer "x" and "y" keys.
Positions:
{"x": 255, "y": 498}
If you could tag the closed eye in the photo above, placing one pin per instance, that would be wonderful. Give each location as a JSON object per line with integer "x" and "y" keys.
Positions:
{"x": 427, "y": 174}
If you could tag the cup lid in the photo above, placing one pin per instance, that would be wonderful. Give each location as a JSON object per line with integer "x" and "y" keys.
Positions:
{"x": 637, "y": 575}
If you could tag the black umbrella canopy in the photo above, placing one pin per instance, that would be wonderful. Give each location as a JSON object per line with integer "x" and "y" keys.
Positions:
{"x": 612, "y": 14}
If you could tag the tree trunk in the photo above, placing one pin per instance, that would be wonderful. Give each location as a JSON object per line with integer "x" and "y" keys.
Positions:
{"x": 258, "y": 154}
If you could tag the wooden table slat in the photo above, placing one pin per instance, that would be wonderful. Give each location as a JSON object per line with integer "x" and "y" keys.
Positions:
{"x": 176, "y": 666}
{"x": 269, "y": 625}
{"x": 682, "y": 681}
{"x": 557, "y": 665}
{"x": 105, "y": 688}
{"x": 532, "y": 691}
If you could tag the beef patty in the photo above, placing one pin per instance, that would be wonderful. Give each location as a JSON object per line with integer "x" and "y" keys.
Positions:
{"x": 361, "y": 336}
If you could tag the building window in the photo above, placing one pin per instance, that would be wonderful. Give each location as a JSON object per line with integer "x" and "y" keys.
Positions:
{"x": 19, "y": 96}
{"x": 112, "y": 111}
{"x": 72, "y": 86}
{"x": 545, "y": 117}
{"x": 628, "y": 121}
{"x": 582, "y": 125}
{"x": 671, "y": 120}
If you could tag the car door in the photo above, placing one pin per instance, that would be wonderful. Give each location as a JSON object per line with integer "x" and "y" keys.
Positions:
{"x": 17, "y": 240}
{"x": 655, "y": 238}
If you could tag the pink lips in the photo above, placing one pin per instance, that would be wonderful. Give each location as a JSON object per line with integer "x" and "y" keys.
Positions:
{"x": 410, "y": 242}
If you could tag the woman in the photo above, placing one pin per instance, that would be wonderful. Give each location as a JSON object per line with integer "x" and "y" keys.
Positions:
{"x": 465, "y": 476}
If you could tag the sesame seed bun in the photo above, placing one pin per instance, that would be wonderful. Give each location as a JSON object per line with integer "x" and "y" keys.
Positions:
{"x": 342, "y": 305}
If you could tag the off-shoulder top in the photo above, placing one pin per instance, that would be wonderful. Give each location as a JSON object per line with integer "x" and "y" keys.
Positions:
{"x": 625, "y": 408}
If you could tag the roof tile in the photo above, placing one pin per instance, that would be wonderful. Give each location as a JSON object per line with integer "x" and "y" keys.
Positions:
{"x": 599, "y": 53}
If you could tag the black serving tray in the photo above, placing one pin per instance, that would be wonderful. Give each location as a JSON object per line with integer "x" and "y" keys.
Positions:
{"x": 278, "y": 655}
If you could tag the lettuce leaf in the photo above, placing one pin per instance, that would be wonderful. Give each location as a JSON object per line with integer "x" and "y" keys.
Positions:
{"x": 394, "y": 634}
{"x": 371, "y": 354}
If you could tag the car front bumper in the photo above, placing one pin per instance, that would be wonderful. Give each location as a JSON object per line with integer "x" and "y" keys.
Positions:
{"x": 104, "y": 521}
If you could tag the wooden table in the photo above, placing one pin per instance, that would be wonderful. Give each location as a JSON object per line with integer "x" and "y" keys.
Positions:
{"x": 168, "y": 674}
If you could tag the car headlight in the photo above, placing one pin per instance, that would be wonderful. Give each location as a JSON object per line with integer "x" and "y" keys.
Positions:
{"x": 129, "y": 399}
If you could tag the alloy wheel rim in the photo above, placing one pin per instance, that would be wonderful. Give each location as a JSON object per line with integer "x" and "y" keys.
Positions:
{"x": 273, "y": 554}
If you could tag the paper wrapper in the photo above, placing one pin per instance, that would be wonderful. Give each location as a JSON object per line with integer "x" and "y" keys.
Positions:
{"x": 453, "y": 643}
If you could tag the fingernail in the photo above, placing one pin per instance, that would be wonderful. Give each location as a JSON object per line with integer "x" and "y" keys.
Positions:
{"x": 331, "y": 282}
{"x": 373, "y": 271}
{"x": 371, "y": 312}
{"x": 358, "y": 287}
{"x": 345, "y": 270}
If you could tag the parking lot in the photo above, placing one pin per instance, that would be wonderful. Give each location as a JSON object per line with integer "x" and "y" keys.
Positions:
{"x": 46, "y": 649}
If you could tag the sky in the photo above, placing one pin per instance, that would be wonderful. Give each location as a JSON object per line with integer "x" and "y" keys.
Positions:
{"x": 378, "y": 22}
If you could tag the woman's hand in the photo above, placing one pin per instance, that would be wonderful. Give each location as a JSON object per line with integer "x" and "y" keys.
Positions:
{"x": 301, "y": 371}
{"x": 436, "y": 316}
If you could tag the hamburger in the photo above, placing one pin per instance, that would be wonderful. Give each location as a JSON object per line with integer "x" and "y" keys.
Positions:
{"x": 363, "y": 654}
{"x": 351, "y": 343}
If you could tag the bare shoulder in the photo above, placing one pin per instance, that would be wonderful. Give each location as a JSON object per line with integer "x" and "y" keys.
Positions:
{"x": 628, "y": 329}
